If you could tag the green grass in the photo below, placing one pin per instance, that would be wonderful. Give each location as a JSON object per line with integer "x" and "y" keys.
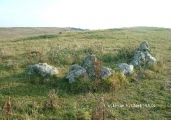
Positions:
{"x": 29, "y": 94}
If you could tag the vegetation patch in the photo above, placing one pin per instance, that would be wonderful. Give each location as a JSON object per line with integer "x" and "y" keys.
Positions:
{"x": 116, "y": 97}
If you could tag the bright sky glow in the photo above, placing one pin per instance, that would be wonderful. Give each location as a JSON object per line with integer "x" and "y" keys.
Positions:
{"x": 87, "y": 14}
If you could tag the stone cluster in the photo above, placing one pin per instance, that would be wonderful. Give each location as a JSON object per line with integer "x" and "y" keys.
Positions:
{"x": 90, "y": 68}
{"x": 141, "y": 57}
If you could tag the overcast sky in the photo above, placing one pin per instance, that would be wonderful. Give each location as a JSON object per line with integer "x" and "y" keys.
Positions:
{"x": 86, "y": 14}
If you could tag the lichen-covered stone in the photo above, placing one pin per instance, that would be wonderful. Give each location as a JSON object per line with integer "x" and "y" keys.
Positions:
{"x": 105, "y": 72}
{"x": 88, "y": 60}
{"x": 150, "y": 59}
{"x": 94, "y": 67}
{"x": 42, "y": 69}
{"x": 89, "y": 69}
{"x": 125, "y": 68}
{"x": 142, "y": 56}
{"x": 76, "y": 71}
{"x": 139, "y": 58}
{"x": 144, "y": 46}
{"x": 88, "y": 63}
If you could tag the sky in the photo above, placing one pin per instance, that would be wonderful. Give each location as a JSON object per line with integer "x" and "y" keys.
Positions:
{"x": 85, "y": 14}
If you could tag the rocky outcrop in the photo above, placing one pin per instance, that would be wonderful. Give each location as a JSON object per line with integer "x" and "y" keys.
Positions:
{"x": 142, "y": 56}
{"x": 90, "y": 68}
{"x": 42, "y": 69}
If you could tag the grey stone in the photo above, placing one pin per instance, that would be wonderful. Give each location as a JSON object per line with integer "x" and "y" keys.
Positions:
{"x": 88, "y": 63}
{"x": 88, "y": 60}
{"x": 94, "y": 67}
{"x": 125, "y": 68}
{"x": 76, "y": 71}
{"x": 90, "y": 68}
{"x": 150, "y": 58}
{"x": 142, "y": 56}
{"x": 42, "y": 69}
{"x": 106, "y": 72}
{"x": 144, "y": 46}
{"x": 139, "y": 58}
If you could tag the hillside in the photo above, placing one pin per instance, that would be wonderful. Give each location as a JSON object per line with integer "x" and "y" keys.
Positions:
{"x": 18, "y": 32}
{"x": 144, "y": 95}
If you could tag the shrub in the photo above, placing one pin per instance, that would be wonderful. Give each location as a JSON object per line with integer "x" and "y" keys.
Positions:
{"x": 60, "y": 57}
{"x": 53, "y": 101}
{"x": 100, "y": 111}
{"x": 34, "y": 57}
{"x": 125, "y": 54}
{"x": 109, "y": 57}
{"x": 112, "y": 83}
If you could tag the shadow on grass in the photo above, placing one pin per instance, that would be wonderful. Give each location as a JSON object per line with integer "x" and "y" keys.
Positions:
{"x": 21, "y": 84}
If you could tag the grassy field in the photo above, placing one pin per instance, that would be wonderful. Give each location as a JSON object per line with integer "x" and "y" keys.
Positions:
{"x": 144, "y": 95}
{"x": 20, "y": 32}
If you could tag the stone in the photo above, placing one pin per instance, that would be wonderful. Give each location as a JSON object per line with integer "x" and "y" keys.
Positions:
{"x": 106, "y": 72}
{"x": 94, "y": 67}
{"x": 150, "y": 59}
{"x": 142, "y": 56}
{"x": 42, "y": 69}
{"x": 88, "y": 62}
{"x": 138, "y": 59}
{"x": 144, "y": 46}
{"x": 76, "y": 71}
{"x": 125, "y": 68}
{"x": 90, "y": 68}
